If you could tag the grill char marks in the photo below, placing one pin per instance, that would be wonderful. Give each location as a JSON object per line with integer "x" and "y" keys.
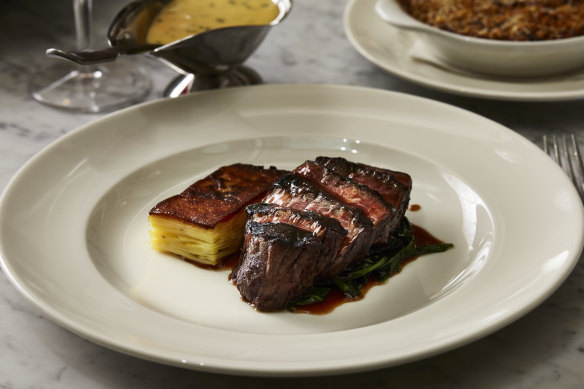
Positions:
{"x": 327, "y": 230}
{"x": 279, "y": 263}
{"x": 394, "y": 187}
{"x": 380, "y": 213}
{"x": 296, "y": 192}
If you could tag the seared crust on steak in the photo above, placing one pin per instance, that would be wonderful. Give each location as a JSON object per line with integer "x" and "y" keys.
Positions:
{"x": 328, "y": 230}
{"x": 220, "y": 195}
{"x": 278, "y": 264}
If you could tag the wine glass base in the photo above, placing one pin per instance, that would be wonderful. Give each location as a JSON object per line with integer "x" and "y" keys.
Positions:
{"x": 98, "y": 88}
{"x": 237, "y": 76}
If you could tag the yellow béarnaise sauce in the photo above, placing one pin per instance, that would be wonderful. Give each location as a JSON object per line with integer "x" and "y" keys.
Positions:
{"x": 181, "y": 18}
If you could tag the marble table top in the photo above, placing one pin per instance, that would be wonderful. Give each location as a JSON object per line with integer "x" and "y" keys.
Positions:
{"x": 544, "y": 349}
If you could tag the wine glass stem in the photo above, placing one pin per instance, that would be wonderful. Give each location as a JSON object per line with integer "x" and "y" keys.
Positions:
{"x": 82, "y": 15}
{"x": 82, "y": 10}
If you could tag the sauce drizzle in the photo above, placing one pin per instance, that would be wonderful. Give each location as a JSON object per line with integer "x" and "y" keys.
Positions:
{"x": 228, "y": 263}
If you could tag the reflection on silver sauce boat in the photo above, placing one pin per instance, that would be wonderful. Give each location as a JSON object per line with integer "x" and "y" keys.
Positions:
{"x": 208, "y": 60}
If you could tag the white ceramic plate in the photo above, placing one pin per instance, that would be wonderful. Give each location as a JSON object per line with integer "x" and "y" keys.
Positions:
{"x": 404, "y": 54}
{"x": 74, "y": 240}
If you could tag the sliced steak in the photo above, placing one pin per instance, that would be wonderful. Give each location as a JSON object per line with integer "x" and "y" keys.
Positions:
{"x": 327, "y": 230}
{"x": 394, "y": 187}
{"x": 381, "y": 214}
{"x": 296, "y": 192}
{"x": 279, "y": 263}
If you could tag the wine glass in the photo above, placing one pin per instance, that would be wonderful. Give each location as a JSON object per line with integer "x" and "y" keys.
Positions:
{"x": 95, "y": 88}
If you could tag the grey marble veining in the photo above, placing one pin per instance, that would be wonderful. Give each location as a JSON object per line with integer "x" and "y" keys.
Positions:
{"x": 544, "y": 349}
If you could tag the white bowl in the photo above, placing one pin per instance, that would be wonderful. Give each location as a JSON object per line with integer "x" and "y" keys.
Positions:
{"x": 489, "y": 56}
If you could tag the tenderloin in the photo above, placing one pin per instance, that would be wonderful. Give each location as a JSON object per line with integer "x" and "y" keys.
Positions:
{"x": 381, "y": 214}
{"x": 328, "y": 230}
{"x": 296, "y": 192}
{"x": 278, "y": 264}
{"x": 393, "y": 186}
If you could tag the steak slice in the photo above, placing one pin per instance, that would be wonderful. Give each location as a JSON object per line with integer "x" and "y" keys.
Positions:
{"x": 394, "y": 187}
{"x": 277, "y": 265}
{"x": 327, "y": 230}
{"x": 296, "y": 192}
{"x": 381, "y": 214}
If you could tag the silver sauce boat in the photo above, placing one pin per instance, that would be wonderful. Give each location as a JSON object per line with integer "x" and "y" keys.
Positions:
{"x": 207, "y": 60}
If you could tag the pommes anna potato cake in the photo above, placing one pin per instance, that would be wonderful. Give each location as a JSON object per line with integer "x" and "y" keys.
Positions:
{"x": 205, "y": 222}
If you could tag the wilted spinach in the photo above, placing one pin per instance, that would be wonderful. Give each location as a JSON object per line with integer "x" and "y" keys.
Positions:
{"x": 379, "y": 266}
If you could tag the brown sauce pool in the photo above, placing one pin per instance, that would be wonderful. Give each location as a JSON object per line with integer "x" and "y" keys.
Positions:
{"x": 227, "y": 264}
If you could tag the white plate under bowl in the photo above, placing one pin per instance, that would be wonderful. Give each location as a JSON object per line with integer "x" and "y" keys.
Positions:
{"x": 74, "y": 230}
{"x": 405, "y": 54}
